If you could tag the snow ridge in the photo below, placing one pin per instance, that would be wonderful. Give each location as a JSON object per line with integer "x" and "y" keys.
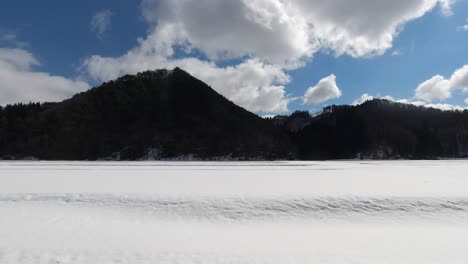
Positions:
{"x": 257, "y": 209}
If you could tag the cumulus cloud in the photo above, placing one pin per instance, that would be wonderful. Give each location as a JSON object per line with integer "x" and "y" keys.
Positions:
{"x": 101, "y": 21}
{"x": 20, "y": 83}
{"x": 459, "y": 79}
{"x": 440, "y": 88}
{"x": 466, "y": 101}
{"x": 286, "y": 31}
{"x": 267, "y": 29}
{"x": 362, "y": 99}
{"x": 365, "y": 27}
{"x": 326, "y": 89}
{"x": 268, "y": 37}
{"x": 17, "y": 59}
{"x": 436, "y": 88}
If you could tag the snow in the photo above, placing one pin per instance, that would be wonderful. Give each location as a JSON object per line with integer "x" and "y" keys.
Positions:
{"x": 234, "y": 212}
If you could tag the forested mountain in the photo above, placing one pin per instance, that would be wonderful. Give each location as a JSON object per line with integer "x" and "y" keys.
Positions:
{"x": 151, "y": 115}
{"x": 171, "y": 115}
{"x": 382, "y": 129}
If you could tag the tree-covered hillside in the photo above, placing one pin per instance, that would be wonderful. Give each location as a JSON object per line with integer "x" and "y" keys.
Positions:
{"x": 171, "y": 115}
{"x": 155, "y": 114}
{"x": 382, "y": 129}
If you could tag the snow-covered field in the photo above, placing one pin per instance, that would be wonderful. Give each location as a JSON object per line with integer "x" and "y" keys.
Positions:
{"x": 234, "y": 212}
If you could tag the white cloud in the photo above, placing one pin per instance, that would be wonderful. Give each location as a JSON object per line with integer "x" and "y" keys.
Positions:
{"x": 17, "y": 59}
{"x": 362, "y": 99}
{"x": 436, "y": 88}
{"x": 446, "y": 7}
{"x": 20, "y": 83}
{"x": 11, "y": 39}
{"x": 253, "y": 84}
{"x": 462, "y": 28}
{"x": 396, "y": 52}
{"x": 388, "y": 97}
{"x": 365, "y": 27}
{"x": 325, "y": 90}
{"x": 440, "y": 88}
{"x": 101, "y": 21}
{"x": 257, "y": 86}
{"x": 268, "y": 37}
{"x": 466, "y": 101}
{"x": 286, "y": 31}
{"x": 459, "y": 79}
{"x": 445, "y": 107}
{"x": 408, "y": 101}
{"x": 267, "y": 29}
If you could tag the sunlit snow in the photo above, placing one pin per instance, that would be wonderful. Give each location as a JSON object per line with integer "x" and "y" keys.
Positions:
{"x": 234, "y": 212}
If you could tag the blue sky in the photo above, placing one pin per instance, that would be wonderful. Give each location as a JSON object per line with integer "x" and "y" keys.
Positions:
{"x": 429, "y": 46}
{"x": 51, "y": 49}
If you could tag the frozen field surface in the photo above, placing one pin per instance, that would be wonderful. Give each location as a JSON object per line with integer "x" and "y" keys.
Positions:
{"x": 234, "y": 212}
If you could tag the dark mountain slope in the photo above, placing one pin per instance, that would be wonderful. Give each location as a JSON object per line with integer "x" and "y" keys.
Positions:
{"x": 163, "y": 114}
{"x": 382, "y": 129}
{"x": 169, "y": 114}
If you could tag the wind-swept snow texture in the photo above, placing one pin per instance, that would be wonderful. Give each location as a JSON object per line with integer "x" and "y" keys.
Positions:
{"x": 234, "y": 212}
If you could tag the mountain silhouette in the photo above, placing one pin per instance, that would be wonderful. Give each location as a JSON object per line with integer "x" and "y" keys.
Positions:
{"x": 151, "y": 115}
{"x": 382, "y": 129}
{"x": 171, "y": 115}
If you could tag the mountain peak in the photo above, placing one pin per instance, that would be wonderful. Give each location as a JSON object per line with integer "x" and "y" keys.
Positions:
{"x": 177, "y": 69}
{"x": 153, "y": 74}
{"x": 167, "y": 112}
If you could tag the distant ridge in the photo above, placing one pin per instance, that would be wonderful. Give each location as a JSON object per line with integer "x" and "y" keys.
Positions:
{"x": 170, "y": 115}
{"x": 379, "y": 129}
